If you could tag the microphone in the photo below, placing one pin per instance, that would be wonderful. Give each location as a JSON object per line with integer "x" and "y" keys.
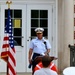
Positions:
{"x": 46, "y": 46}
{"x": 44, "y": 42}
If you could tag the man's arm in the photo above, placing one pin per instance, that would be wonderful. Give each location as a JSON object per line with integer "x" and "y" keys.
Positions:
{"x": 47, "y": 52}
{"x": 30, "y": 54}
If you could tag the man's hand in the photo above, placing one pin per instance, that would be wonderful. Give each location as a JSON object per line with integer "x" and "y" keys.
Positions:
{"x": 46, "y": 53}
{"x": 30, "y": 61}
{"x": 30, "y": 54}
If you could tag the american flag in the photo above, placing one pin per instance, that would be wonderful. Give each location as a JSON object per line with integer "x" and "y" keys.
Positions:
{"x": 8, "y": 50}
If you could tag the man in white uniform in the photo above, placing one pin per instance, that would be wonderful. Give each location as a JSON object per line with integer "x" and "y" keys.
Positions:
{"x": 45, "y": 70}
{"x": 38, "y": 46}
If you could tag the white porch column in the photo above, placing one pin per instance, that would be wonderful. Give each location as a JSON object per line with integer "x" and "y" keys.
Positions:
{"x": 68, "y": 31}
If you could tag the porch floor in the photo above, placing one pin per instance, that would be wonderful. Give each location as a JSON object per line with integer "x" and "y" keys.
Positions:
{"x": 21, "y": 74}
{"x": 17, "y": 74}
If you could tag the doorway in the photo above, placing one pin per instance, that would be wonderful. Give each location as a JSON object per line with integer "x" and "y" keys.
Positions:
{"x": 25, "y": 18}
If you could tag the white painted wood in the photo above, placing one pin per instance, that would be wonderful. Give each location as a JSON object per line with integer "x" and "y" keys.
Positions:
{"x": 56, "y": 31}
{"x": 28, "y": 1}
{"x": 2, "y": 63}
{"x": 54, "y": 39}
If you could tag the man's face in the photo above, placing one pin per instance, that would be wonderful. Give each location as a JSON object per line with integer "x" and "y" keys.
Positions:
{"x": 39, "y": 35}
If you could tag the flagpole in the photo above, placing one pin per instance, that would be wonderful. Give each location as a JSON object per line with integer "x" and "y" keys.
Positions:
{"x": 8, "y": 2}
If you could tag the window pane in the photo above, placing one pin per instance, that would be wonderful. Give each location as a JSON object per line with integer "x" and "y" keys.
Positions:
{"x": 43, "y": 23}
{"x": 17, "y": 13}
{"x": 34, "y": 23}
{"x": 45, "y": 33}
{"x": 17, "y": 32}
{"x": 17, "y": 41}
{"x": 34, "y": 13}
{"x": 33, "y": 32}
{"x": 43, "y": 14}
{"x": 17, "y": 23}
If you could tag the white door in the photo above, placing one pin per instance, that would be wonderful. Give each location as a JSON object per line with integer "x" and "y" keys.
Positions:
{"x": 18, "y": 16}
{"x": 39, "y": 16}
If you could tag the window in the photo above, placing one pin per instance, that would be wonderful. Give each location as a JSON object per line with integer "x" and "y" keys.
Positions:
{"x": 16, "y": 18}
{"x": 39, "y": 18}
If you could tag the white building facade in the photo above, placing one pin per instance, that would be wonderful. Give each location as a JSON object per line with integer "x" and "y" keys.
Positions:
{"x": 55, "y": 16}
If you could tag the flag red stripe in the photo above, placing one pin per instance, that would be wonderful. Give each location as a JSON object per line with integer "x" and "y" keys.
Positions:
{"x": 6, "y": 38}
{"x": 4, "y": 53}
{"x": 5, "y": 46}
{"x": 12, "y": 58}
{"x": 11, "y": 68}
{"x": 13, "y": 49}
{"x": 4, "y": 56}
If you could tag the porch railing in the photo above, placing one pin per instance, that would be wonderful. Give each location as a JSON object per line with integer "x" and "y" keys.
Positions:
{"x": 72, "y": 55}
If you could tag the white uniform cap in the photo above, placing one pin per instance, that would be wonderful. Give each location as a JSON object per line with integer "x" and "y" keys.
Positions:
{"x": 39, "y": 30}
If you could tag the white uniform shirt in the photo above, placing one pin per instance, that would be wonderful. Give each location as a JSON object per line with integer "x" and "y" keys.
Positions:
{"x": 45, "y": 71}
{"x": 38, "y": 46}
